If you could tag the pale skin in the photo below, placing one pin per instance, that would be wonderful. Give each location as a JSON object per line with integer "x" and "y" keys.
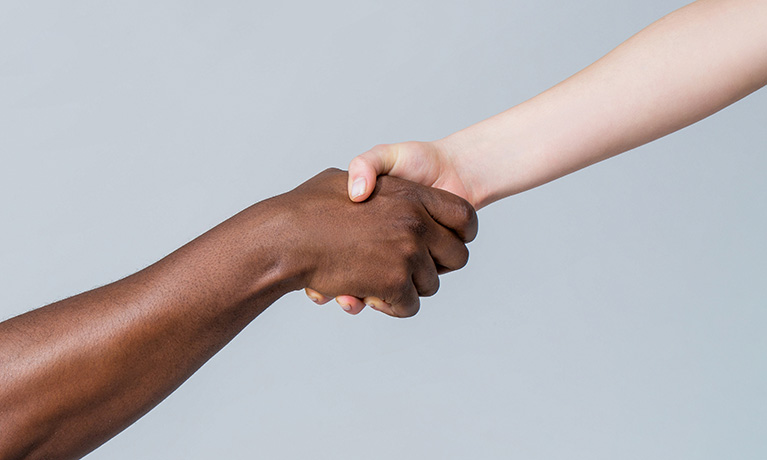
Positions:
{"x": 78, "y": 371}
{"x": 677, "y": 71}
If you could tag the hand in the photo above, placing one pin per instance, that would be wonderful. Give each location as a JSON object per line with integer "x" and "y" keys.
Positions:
{"x": 391, "y": 247}
{"x": 425, "y": 163}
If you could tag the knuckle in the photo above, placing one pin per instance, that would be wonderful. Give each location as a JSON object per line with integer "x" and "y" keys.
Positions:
{"x": 466, "y": 212}
{"x": 404, "y": 281}
{"x": 432, "y": 288}
{"x": 396, "y": 311}
{"x": 405, "y": 302}
{"x": 379, "y": 148}
{"x": 413, "y": 261}
{"x": 358, "y": 162}
{"x": 330, "y": 171}
{"x": 409, "y": 311}
{"x": 416, "y": 226}
{"x": 403, "y": 195}
{"x": 404, "y": 311}
{"x": 397, "y": 282}
{"x": 367, "y": 160}
{"x": 463, "y": 258}
{"x": 410, "y": 249}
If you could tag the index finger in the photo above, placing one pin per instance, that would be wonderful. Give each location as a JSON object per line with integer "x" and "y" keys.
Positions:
{"x": 450, "y": 211}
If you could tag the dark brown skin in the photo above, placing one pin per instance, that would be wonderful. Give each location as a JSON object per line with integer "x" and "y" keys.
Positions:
{"x": 75, "y": 373}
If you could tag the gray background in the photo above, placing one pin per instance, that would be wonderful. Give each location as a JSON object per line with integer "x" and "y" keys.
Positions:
{"x": 619, "y": 312}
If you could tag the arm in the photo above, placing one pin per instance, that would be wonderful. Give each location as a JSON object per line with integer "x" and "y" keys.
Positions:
{"x": 76, "y": 372}
{"x": 679, "y": 70}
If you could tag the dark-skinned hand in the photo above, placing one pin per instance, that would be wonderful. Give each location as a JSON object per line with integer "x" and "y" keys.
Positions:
{"x": 391, "y": 247}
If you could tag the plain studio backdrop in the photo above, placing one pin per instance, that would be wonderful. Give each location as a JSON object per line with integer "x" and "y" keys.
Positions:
{"x": 620, "y": 312}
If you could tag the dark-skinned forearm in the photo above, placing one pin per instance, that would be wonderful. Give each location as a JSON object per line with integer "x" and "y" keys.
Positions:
{"x": 78, "y": 371}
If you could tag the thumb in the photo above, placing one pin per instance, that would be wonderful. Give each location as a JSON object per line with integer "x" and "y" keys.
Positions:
{"x": 364, "y": 169}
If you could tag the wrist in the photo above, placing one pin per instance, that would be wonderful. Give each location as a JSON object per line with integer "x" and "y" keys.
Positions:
{"x": 275, "y": 251}
{"x": 245, "y": 260}
{"x": 463, "y": 152}
{"x": 502, "y": 155}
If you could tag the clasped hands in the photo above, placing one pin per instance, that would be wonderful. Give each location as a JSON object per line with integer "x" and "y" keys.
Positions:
{"x": 384, "y": 252}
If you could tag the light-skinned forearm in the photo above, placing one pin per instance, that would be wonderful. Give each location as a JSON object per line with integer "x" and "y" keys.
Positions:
{"x": 684, "y": 67}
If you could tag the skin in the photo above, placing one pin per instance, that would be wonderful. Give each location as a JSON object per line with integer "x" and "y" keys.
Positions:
{"x": 677, "y": 71}
{"x": 77, "y": 372}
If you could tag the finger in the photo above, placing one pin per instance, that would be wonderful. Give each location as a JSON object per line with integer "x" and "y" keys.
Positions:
{"x": 451, "y": 211}
{"x": 316, "y": 297}
{"x": 425, "y": 278}
{"x": 405, "y": 304}
{"x": 350, "y": 304}
{"x": 377, "y": 304}
{"x": 445, "y": 248}
{"x": 365, "y": 168}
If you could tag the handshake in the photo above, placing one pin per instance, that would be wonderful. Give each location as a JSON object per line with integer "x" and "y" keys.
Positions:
{"x": 383, "y": 252}
{"x": 78, "y": 371}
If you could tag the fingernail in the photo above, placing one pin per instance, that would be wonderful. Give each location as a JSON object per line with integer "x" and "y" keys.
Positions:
{"x": 346, "y": 307}
{"x": 358, "y": 187}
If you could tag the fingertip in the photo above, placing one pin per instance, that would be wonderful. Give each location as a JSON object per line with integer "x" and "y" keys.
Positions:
{"x": 472, "y": 226}
{"x": 377, "y": 304}
{"x": 363, "y": 171}
{"x": 358, "y": 190}
{"x": 316, "y": 297}
{"x": 350, "y": 304}
{"x": 408, "y": 305}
